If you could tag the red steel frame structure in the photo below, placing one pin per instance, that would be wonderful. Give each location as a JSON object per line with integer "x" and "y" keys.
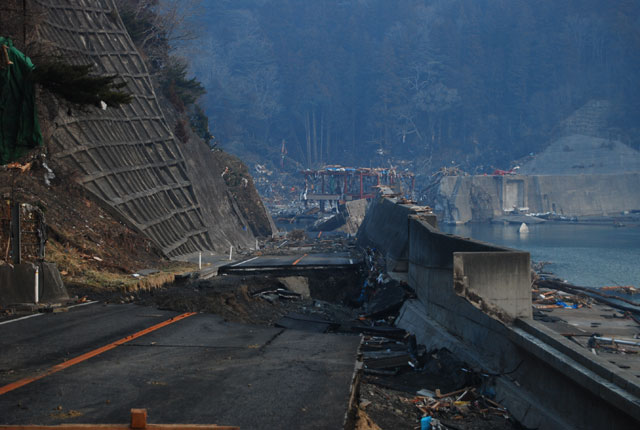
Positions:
{"x": 352, "y": 183}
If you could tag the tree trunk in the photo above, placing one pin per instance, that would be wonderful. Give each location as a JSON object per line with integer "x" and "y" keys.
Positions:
{"x": 307, "y": 127}
{"x": 315, "y": 137}
{"x": 353, "y": 134}
{"x": 328, "y": 141}
{"x": 322, "y": 137}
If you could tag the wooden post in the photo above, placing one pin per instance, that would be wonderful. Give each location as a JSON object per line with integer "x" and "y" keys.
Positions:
{"x": 138, "y": 418}
{"x": 7, "y": 61}
{"x": 16, "y": 244}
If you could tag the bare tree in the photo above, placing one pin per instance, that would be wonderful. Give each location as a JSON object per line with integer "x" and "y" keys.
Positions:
{"x": 158, "y": 26}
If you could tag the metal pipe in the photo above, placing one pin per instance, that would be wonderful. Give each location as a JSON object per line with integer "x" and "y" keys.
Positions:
{"x": 620, "y": 341}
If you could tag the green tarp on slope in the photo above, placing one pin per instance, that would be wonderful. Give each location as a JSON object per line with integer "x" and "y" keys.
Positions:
{"x": 19, "y": 128}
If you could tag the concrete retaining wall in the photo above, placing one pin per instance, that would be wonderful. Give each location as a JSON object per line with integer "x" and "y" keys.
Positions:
{"x": 478, "y": 198}
{"x": 128, "y": 157}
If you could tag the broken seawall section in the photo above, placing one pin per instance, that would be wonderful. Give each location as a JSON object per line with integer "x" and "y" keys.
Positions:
{"x": 462, "y": 199}
{"x": 474, "y": 299}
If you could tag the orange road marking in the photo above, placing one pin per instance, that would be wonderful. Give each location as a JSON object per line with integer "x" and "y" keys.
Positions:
{"x": 120, "y": 427}
{"x": 298, "y": 260}
{"x": 90, "y": 354}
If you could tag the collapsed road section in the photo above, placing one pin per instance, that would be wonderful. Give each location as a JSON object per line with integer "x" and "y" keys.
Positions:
{"x": 296, "y": 262}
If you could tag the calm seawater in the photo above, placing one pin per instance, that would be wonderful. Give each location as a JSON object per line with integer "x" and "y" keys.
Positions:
{"x": 587, "y": 255}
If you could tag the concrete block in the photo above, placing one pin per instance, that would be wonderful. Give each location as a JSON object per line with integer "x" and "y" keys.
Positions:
{"x": 297, "y": 284}
{"x": 52, "y": 288}
{"x": 138, "y": 418}
{"x": 17, "y": 284}
{"x": 496, "y": 282}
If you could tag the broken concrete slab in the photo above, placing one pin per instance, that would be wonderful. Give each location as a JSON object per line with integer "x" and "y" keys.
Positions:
{"x": 297, "y": 284}
{"x": 385, "y": 331}
{"x": 387, "y": 300}
{"x": 296, "y": 321}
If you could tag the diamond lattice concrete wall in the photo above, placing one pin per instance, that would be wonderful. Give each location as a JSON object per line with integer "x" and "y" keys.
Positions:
{"x": 127, "y": 157}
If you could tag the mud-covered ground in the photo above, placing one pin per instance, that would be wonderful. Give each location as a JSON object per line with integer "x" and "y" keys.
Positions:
{"x": 236, "y": 298}
{"x": 97, "y": 255}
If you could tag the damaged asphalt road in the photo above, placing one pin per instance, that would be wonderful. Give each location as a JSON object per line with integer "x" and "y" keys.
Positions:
{"x": 199, "y": 369}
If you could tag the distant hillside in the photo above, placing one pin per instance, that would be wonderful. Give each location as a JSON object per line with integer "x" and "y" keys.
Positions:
{"x": 581, "y": 155}
{"x": 476, "y": 83}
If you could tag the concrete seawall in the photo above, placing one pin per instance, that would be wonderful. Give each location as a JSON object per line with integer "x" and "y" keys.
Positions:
{"x": 385, "y": 227}
{"x": 479, "y": 198}
{"x": 474, "y": 298}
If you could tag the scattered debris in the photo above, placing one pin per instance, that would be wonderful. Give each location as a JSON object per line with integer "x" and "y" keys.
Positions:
{"x": 625, "y": 289}
{"x": 553, "y": 299}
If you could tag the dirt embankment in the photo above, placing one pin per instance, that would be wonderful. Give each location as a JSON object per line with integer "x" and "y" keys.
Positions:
{"x": 92, "y": 249}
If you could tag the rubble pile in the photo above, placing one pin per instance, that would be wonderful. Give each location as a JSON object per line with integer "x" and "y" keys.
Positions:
{"x": 458, "y": 404}
{"x": 393, "y": 393}
{"x": 403, "y": 384}
{"x": 430, "y": 190}
{"x": 544, "y": 298}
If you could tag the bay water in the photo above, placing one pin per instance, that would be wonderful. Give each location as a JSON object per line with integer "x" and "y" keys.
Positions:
{"x": 586, "y": 255}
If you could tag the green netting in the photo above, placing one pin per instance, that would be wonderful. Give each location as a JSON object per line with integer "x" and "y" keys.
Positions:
{"x": 19, "y": 127}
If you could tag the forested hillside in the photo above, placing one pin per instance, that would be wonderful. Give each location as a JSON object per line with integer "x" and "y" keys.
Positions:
{"x": 475, "y": 82}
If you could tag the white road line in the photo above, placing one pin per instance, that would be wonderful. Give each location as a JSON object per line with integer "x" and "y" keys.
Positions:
{"x": 83, "y": 304}
{"x": 38, "y": 314}
{"x": 242, "y": 262}
{"x": 18, "y": 319}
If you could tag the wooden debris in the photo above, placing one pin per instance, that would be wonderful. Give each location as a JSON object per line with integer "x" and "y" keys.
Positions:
{"x": 467, "y": 402}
